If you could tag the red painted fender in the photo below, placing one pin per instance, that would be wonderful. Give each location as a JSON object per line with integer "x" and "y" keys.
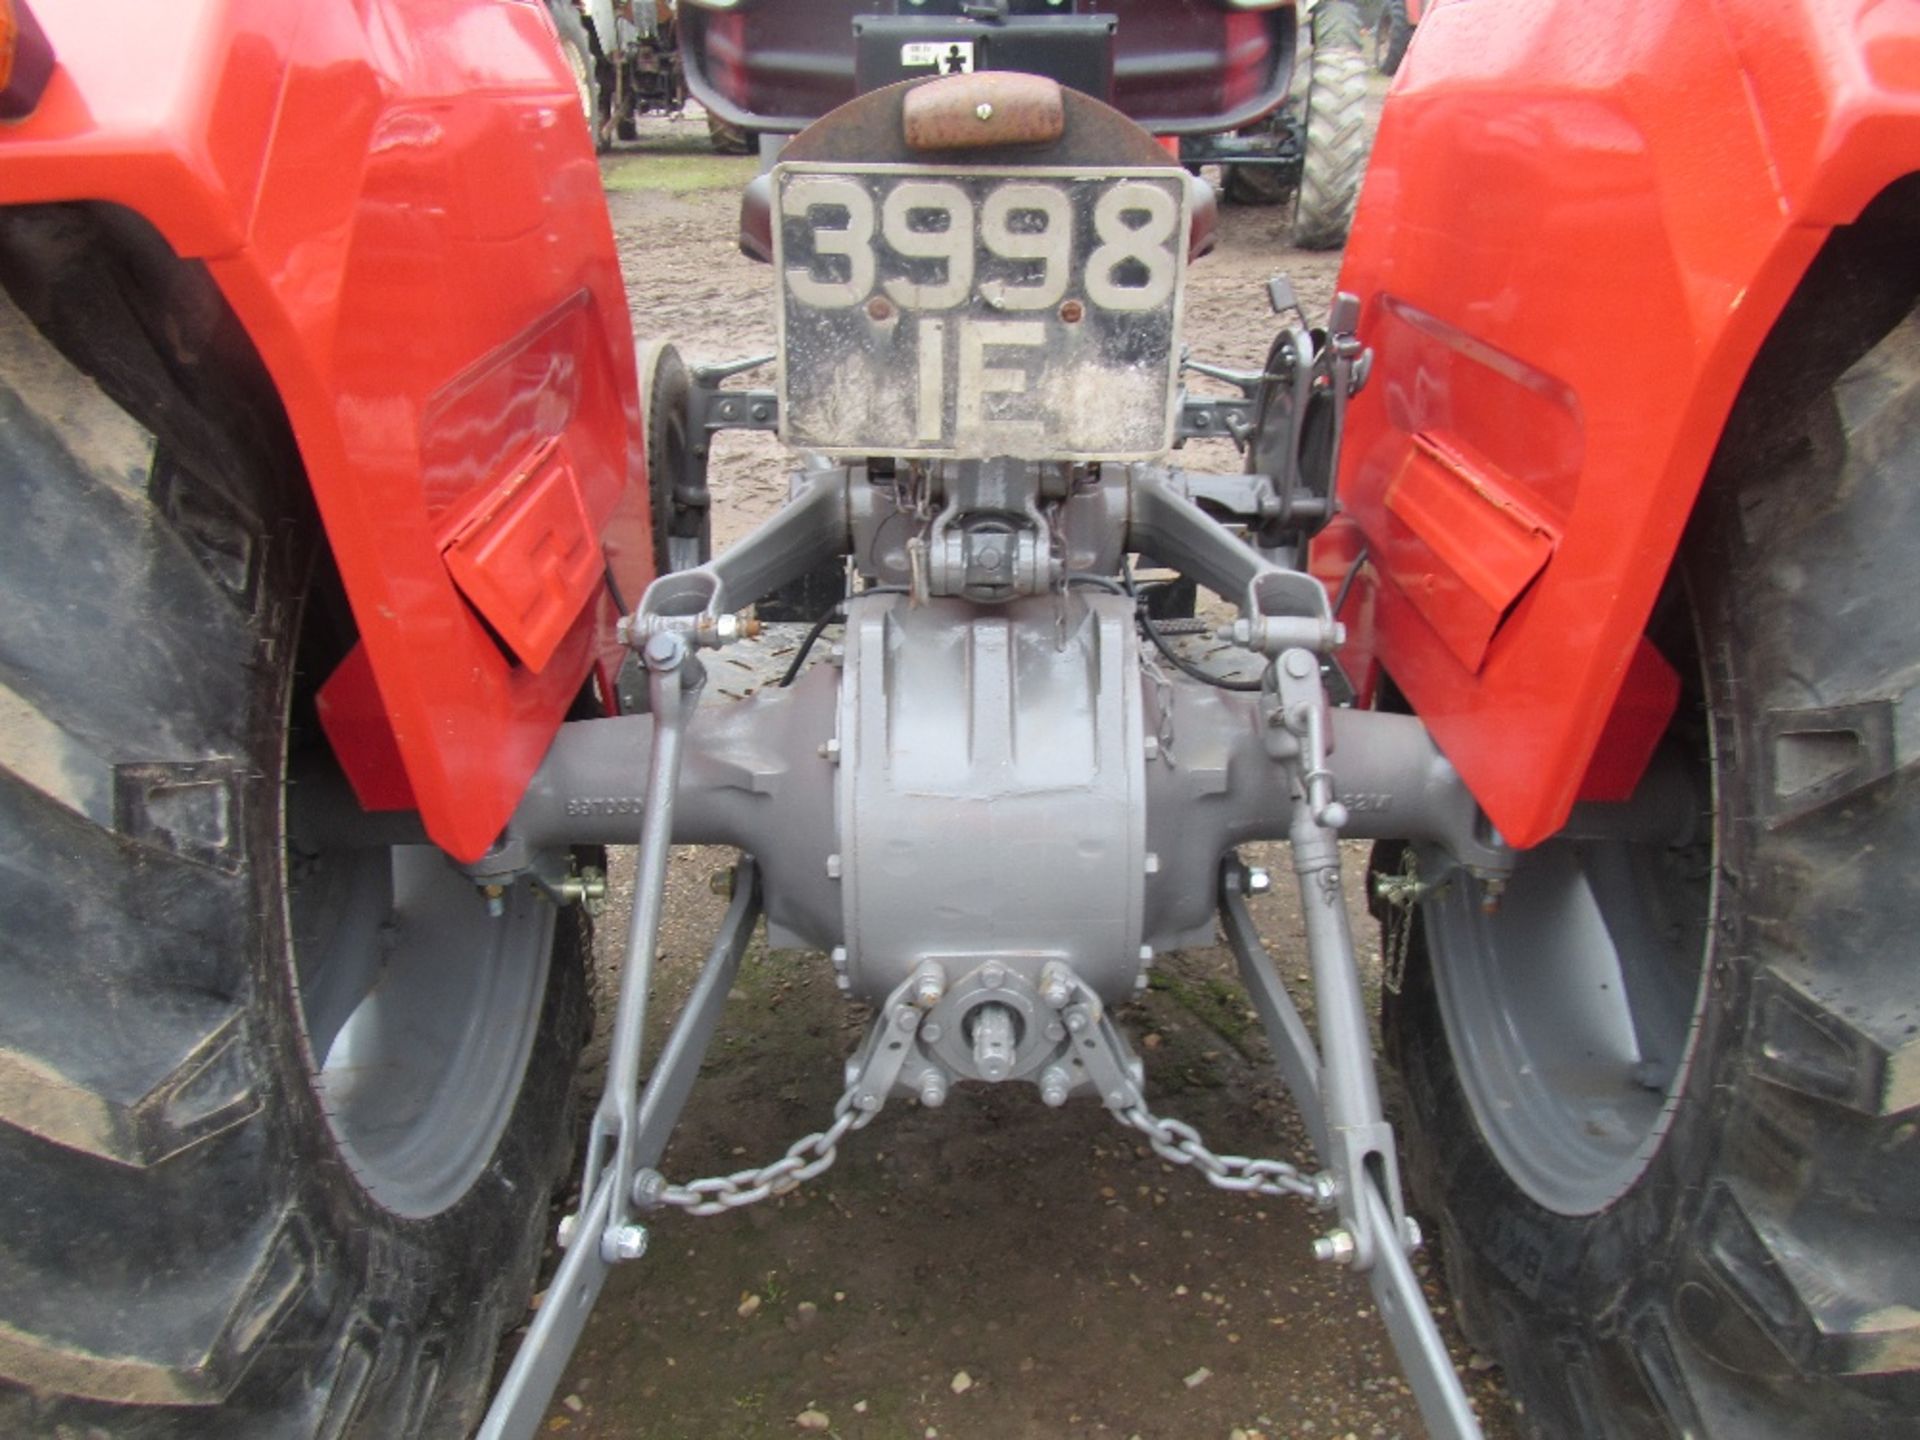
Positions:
{"x": 400, "y": 201}
{"x": 1580, "y": 222}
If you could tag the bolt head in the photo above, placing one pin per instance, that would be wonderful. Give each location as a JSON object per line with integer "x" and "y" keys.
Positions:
{"x": 1076, "y": 1020}
{"x": 993, "y": 976}
{"x": 664, "y": 650}
{"x": 564, "y": 1235}
{"x": 906, "y": 1017}
{"x": 931, "y": 1032}
{"x": 1410, "y": 1233}
{"x": 983, "y": 111}
{"x": 1259, "y": 881}
{"x": 1336, "y": 1247}
{"x": 626, "y": 1242}
{"x": 1299, "y": 664}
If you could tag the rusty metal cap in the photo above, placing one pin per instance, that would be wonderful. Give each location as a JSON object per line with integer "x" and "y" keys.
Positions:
{"x": 982, "y": 109}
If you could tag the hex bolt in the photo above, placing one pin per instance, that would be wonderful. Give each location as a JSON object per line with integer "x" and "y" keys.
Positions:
{"x": 624, "y": 1242}
{"x": 866, "y": 1100}
{"x": 1259, "y": 881}
{"x": 983, "y": 111}
{"x": 933, "y": 1088}
{"x": 664, "y": 650}
{"x": 1410, "y": 1233}
{"x": 1336, "y": 1247}
{"x": 563, "y": 1237}
{"x": 1153, "y": 747}
{"x": 830, "y": 751}
{"x": 906, "y": 1017}
{"x": 648, "y": 1187}
{"x": 993, "y": 976}
{"x": 1055, "y": 1086}
{"x": 1056, "y": 987}
{"x": 931, "y": 1032}
{"x": 1077, "y": 1019}
{"x": 929, "y": 985}
{"x": 1055, "y": 1031}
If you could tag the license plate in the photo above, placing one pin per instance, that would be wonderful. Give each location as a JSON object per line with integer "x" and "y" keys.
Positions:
{"x": 976, "y": 313}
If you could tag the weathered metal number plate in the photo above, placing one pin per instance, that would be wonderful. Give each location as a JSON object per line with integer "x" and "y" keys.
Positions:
{"x": 975, "y": 313}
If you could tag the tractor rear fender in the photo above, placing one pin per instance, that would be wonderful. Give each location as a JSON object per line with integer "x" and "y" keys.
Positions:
{"x": 1579, "y": 227}
{"x": 404, "y": 212}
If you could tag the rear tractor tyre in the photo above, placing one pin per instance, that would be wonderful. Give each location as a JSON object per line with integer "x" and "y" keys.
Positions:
{"x": 1336, "y": 142}
{"x": 1664, "y": 1099}
{"x": 730, "y": 139}
{"x": 682, "y": 533}
{"x": 1255, "y": 185}
{"x": 576, "y": 47}
{"x": 279, "y": 1116}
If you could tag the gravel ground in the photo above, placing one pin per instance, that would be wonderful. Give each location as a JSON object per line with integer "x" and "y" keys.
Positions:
{"x": 991, "y": 1268}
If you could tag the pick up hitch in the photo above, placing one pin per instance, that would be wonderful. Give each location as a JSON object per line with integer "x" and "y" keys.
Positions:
{"x": 995, "y": 1015}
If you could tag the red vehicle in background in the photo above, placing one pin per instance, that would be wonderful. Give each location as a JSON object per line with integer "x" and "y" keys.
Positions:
{"x": 1216, "y": 78}
{"x": 1570, "y": 564}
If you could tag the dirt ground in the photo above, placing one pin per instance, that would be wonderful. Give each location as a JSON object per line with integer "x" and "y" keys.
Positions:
{"x": 991, "y": 1268}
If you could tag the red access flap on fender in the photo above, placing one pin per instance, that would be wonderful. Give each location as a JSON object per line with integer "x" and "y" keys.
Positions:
{"x": 528, "y": 560}
{"x": 1463, "y": 551}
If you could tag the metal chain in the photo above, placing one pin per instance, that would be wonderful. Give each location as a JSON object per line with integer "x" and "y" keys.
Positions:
{"x": 1179, "y": 1142}
{"x": 807, "y": 1157}
{"x": 1401, "y": 892}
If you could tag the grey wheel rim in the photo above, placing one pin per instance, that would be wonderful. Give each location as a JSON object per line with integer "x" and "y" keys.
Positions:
{"x": 420, "y": 1011}
{"x": 1572, "y": 1008}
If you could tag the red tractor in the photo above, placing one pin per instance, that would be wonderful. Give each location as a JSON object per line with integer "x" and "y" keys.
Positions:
{"x": 1566, "y": 558}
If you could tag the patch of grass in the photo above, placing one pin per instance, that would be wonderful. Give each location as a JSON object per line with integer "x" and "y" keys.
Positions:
{"x": 1218, "y": 1004}
{"x": 677, "y": 174}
